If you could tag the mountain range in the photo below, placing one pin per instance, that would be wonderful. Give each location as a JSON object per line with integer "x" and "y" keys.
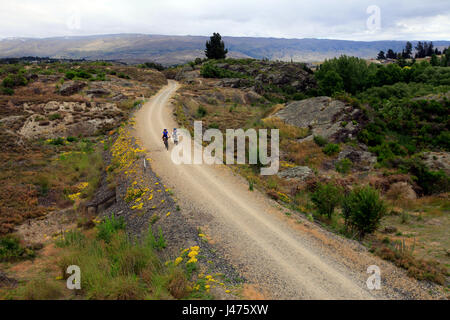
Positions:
{"x": 169, "y": 50}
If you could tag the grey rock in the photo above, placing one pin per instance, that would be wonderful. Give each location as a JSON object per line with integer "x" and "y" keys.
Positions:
{"x": 98, "y": 92}
{"x": 299, "y": 172}
{"x": 71, "y": 87}
{"x": 234, "y": 83}
{"x": 323, "y": 116}
{"x": 362, "y": 160}
{"x": 252, "y": 97}
{"x": 6, "y": 281}
{"x": 437, "y": 161}
{"x": 119, "y": 97}
{"x": 390, "y": 229}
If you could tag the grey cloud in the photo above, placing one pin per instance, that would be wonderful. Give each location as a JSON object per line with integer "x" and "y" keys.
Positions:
{"x": 345, "y": 19}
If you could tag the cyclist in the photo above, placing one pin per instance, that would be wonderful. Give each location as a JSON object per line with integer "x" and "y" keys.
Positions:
{"x": 165, "y": 137}
{"x": 175, "y": 136}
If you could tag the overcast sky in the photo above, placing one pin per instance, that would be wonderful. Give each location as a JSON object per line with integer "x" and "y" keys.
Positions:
{"x": 337, "y": 19}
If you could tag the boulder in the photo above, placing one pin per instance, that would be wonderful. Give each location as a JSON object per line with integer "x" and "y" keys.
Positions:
{"x": 326, "y": 117}
{"x": 252, "y": 97}
{"x": 71, "y": 87}
{"x": 362, "y": 160}
{"x": 437, "y": 161}
{"x": 278, "y": 73}
{"x": 6, "y": 281}
{"x": 119, "y": 97}
{"x": 300, "y": 172}
{"x": 390, "y": 229}
{"x": 98, "y": 92}
{"x": 234, "y": 83}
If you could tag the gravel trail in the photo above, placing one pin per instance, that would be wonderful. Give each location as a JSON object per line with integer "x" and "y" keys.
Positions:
{"x": 283, "y": 258}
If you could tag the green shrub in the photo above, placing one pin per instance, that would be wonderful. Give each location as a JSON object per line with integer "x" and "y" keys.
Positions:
{"x": 330, "y": 149}
{"x": 159, "y": 243}
{"x": 320, "y": 141}
{"x": 11, "y": 249}
{"x": 343, "y": 166}
{"x": 363, "y": 209}
{"x": 201, "y": 111}
{"x": 14, "y": 80}
{"x": 110, "y": 226}
{"x": 54, "y": 116}
{"x": 70, "y": 75}
{"x": 326, "y": 198}
{"x": 57, "y": 142}
{"x": 7, "y": 91}
{"x": 430, "y": 181}
{"x": 210, "y": 70}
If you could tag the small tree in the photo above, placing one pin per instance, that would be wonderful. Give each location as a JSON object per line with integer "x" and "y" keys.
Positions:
{"x": 363, "y": 209}
{"x": 381, "y": 55}
{"x": 331, "y": 83}
{"x": 215, "y": 47}
{"x": 434, "y": 60}
{"x": 326, "y": 198}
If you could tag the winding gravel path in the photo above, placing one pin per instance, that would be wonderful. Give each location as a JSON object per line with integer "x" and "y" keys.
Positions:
{"x": 283, "y": 258}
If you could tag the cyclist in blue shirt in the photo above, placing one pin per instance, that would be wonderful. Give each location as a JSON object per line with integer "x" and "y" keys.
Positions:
{"x": 165, "y": 137}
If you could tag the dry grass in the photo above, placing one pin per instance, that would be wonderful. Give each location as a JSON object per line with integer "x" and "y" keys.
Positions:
{"x": 427, "y": 220}
{"x": 306, "y": 153}
{"x": 286, "y": 131}
{"x": 41, "y": 289}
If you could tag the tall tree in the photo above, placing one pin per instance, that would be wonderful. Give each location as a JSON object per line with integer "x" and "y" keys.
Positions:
{"x": 381, "y": 55}
{"x": 430, "y": 49}
{"x": 215, "y": 47}
{"x": 408, "y": 50}
{"x": 434, "y": 60}
{"x": 391, "y": 54}
{"x": 419, "y": 50}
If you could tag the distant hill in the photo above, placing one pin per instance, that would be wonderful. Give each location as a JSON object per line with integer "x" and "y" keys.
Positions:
{"x": 168, "y": 50}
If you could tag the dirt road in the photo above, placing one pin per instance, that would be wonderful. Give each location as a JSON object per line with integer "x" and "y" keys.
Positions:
{"x": 284, "y": 258}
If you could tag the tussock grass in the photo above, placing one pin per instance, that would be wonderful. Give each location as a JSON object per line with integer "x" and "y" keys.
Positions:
{"x": 286, "y": 131}
{"x": 122, "y": 269}
{"x": 40, "y": 289}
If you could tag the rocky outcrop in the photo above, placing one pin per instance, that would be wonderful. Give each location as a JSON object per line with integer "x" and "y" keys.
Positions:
{"x": 361, "y": 159}
{"x": 437, "y": 161}
{"x": 281, "y": 74}
{"x": 104, "y": 199}
{"x": 61, "y": 119}
{"x": 97, "y": 92}
{"x": 6, "y": 281}
{"x": 300, "y": 172}
{"x": 234, "y": 83}
{"x": 326, "y": 117}
{"x": 71, "y": 87}
{"x": 187, "y": 73}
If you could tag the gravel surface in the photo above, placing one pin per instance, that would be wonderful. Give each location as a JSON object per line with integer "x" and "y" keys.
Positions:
{"x": 178, "y": 232}
{"x": 283, "y": 258}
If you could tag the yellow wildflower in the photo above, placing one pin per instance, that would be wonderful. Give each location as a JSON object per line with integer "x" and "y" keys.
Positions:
{"x": 192, "y": 254}
{"x": 178, "y": 260}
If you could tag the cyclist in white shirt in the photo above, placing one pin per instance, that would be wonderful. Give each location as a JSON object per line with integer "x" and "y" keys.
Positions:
{"x": 175, "y": 136}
